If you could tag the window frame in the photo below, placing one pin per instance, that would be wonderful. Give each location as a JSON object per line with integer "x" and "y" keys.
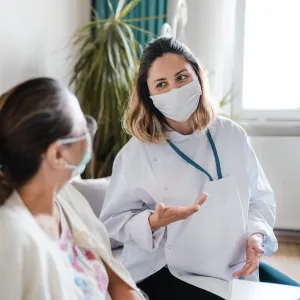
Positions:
{"x": 237, "y": 105}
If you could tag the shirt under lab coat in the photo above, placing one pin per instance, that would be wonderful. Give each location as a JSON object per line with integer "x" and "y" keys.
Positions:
{"x": 145, "y": 174}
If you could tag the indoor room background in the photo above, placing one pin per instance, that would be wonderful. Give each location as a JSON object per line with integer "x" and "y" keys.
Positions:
{"x": 250, "y": 51}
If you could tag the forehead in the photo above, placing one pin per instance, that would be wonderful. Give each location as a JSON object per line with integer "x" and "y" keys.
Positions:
{"x": 167, "y": 65}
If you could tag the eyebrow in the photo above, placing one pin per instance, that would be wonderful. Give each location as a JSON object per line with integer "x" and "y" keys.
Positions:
{"x": 160, "y": 79}
{"x": 183, "y": 70}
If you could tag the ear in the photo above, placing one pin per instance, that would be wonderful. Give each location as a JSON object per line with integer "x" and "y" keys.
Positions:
{"x": 54, "y": 156}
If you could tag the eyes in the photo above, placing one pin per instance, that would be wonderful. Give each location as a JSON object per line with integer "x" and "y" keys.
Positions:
{"x": 179, "y": 78}
{"x": 161, "y": 85}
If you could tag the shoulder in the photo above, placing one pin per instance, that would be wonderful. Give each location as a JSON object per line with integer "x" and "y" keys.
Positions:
{"x": 18, "y": 228}
{"x": 133, "y": 147}
{"x": 13, "y": 216}
{"x": 74, "y": 199}
{"x": 79, "y": 210}
{"x": 72, "y": 196}
{"x": 226, "y": 128}
{"x": 17, "y": 233}
{"x": 134, "y": 151}
{"x": 230, "y": 137}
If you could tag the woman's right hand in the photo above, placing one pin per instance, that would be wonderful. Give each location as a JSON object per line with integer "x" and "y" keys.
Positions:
{"x": 165, "y": 215}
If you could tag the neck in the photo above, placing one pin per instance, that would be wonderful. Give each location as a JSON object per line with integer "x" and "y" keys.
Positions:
{"x": 39, "y": 198}
{"x": 183, "y": 128}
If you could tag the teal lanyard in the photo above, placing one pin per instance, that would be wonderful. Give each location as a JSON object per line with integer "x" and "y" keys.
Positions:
{"x": 191, "y": 162}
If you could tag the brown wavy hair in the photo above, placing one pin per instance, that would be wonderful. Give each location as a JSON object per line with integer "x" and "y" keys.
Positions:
{"x": 142, "y": 119}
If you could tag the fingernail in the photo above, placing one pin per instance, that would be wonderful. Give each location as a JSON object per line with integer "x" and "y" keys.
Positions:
{"x": 206, "y": 194}
{"x": 197, "y": 207}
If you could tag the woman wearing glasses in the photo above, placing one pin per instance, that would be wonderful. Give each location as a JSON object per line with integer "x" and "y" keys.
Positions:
{"x": 52, "y": 246}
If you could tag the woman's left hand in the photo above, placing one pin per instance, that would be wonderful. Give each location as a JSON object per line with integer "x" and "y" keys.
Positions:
{"x": 254, "y": 252}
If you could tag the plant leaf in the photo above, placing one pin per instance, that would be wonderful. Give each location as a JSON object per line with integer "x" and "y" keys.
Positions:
{"x": 126, "y": 46}
{"x": 111, "y": 8}
{"x": 103, "y": 78}
{"x": 142, "y": 30}
{"x": 120, "y": 6}
{"x": 128, "y": 8}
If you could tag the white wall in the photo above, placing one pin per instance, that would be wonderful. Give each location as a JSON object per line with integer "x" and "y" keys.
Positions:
{"x": 210, "y": 33}
{"x": 280, "y": 159}
{"x": 35, "y": 38}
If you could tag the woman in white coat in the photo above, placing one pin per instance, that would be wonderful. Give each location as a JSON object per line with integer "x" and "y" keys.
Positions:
{"x": 52, "y": 246}
{"x": 188, "y": 197}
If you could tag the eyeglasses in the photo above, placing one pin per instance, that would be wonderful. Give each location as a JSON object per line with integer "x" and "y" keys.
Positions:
{"x": 92, "y": 129}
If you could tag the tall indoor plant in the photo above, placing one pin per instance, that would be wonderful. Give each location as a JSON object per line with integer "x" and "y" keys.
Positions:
{"x": 103, "y": 77}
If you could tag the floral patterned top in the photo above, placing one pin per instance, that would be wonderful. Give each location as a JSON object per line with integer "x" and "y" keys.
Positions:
{"x": 89, "y": 273}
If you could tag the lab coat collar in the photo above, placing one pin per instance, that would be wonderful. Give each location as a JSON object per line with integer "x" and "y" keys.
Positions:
{"x": 175, "y": 136}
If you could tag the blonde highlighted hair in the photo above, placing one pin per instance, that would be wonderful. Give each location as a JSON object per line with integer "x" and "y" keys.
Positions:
{"x": 141, "y": 118}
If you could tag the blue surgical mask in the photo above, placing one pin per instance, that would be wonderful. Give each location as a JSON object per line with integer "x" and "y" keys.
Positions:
{"x": 79, "y": 169}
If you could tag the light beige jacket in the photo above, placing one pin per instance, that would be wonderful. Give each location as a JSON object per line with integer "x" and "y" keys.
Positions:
{"x": 31, "y": 264}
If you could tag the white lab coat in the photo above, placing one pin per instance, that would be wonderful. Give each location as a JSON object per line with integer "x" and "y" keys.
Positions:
{"x": 145, "y": 174}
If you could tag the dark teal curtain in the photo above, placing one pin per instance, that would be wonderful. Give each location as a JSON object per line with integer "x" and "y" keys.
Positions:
{"x": 146, "y": 8}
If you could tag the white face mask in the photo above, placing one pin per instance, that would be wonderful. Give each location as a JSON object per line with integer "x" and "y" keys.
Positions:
{"x": 179, "y": 104}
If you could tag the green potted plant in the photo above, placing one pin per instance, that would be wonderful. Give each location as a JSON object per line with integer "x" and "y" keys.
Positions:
{"x": 103, "y": 77}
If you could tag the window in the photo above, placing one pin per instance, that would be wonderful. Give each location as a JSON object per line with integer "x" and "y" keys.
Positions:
{"x": 268, "y": 60}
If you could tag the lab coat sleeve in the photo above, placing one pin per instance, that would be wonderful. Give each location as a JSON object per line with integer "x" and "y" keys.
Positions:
{"x": 262, "y": 208}
{"x": 125, "y": 215}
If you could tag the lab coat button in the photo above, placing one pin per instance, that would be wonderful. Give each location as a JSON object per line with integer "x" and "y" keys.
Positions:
{"x": 166, "y": 188}
{"x": 169, "y": 247}
{"x": 179, "y": 274}
{"x": 154, "y": 158}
